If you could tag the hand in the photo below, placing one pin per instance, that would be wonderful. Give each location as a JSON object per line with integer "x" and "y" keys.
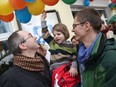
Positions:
{"x": 73, "y": 72}
{"x": 43, "y": 16}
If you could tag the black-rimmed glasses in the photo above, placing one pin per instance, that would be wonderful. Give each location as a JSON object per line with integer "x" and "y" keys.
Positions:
{"x": 29, "y": 36}
{"x": 74, "y": 25}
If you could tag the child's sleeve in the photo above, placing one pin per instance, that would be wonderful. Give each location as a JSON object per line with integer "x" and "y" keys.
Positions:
{"x": 74, "y": 64}
{"x": 74, "y": 57}
{"x": 45, "y": 33}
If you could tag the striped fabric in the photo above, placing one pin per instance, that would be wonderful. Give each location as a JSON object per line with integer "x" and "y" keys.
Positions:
{"x": 64, "y": 51}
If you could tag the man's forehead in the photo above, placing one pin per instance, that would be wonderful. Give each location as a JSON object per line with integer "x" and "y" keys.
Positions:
{"x": 23, "y": 32}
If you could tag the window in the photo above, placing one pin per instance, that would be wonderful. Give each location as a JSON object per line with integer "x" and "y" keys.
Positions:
{"x": 5, "y": 30}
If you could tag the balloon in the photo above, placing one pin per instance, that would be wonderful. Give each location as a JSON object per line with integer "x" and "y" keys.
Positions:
{"x": 111, "y": 5}
{"x": 7, "y": 18}
{"x": 29, "y": 0}
{"x": 50, "y": 2}
{"x": 23, "y": 15}
{"x": 35, "y": 8}
{"x": 91, "y": 0}
{"x": 17, "y": 4}
{"x": 114, "y": 6}
{"x": 5, "y": 7}
{"x": 86, "y": 2}
{"x": 113, "y": 1}
{"x": 69, "y": 1}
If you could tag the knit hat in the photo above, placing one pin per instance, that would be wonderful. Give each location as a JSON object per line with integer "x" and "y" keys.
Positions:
{"x": 112, "y": 19}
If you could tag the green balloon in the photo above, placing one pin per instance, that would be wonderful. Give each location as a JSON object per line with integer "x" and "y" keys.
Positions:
{"x": 69, "y": 1}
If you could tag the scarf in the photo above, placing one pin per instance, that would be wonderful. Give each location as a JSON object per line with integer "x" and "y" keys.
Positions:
{"x": 29, "y": 63}
{"x": 84, "y": 53}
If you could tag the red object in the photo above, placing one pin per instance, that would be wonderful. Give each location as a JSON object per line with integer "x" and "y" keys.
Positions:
{"x": 17, "y": 4}
{"x": 113, "y": 1}
{"x": 91, "y": 0}
{"x": 64, "y": 78}
{"x": 7, "y": 18}
{"x": 50, "y": 2}
{"x": 105, "y": 30}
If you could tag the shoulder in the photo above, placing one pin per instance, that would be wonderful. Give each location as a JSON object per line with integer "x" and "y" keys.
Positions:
{"x": 110, "y": 45}
{"x": 16, "y": 76}
{"x": 109, "y": 54}
{"x": 67, "y": 44}
{"x": 10, "y": 74}
{"x": 7, "y": 78}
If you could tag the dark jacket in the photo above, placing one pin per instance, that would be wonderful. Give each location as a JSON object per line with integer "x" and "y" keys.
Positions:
{"x": 100, "y": 68}
{"x": 18, "y": 77}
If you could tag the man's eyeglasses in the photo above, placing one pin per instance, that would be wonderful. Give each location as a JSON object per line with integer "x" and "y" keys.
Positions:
{"x": 74, "y": 25}
{"x": 29, "y": 36}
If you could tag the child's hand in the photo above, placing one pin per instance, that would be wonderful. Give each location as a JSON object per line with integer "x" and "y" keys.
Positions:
{"x": 43, "y": 16}
{"x": 73, "y": 72}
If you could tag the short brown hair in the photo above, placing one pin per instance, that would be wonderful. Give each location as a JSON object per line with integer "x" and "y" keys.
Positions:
{"x": 62, "y": 28}
{"x": 13, "y": 42}
{"x": 90, "y": 15}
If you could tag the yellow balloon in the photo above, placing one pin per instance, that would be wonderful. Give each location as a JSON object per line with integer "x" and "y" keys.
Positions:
{"x": 36, "y": 7}
{"x": 5, "y": 7}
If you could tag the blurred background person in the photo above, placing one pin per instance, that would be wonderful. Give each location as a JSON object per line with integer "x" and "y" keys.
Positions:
{"x": 112, "y": 25}
{"x": 74, "y": 40}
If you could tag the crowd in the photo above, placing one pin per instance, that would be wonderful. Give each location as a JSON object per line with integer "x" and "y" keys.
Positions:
{"x": 88, "y": 60}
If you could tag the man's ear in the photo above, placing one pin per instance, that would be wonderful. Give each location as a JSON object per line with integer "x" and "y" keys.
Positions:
{"x": 87, "y": 25}
{"x": 22, "y": 46}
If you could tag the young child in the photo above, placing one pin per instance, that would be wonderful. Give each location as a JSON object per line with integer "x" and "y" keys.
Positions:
{"x": 63, "y": 55}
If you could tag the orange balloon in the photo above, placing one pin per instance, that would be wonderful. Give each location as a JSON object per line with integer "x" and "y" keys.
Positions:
{"x": 7, "y": 18}
{"x": 35, "y": 8}
{"x": 17, "y": 4}
{"x": 50, "y": 2}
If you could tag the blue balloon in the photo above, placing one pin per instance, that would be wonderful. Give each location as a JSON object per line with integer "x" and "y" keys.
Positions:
{"x": 29, "y": 0}
{"x": 110, "y": 5}
{"x": 86, "y": 2}
{"x": 23, "y": 15}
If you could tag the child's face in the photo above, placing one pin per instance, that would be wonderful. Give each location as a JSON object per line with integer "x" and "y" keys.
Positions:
{"x": 59, "y": 37}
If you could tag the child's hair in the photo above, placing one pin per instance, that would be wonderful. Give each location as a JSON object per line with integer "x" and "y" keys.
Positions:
{"x": 61, "y": 28}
